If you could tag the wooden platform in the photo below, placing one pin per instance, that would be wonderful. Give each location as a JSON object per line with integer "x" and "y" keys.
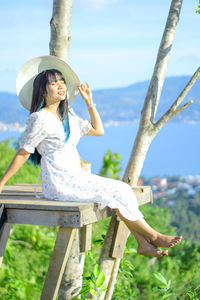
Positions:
{"x": 22, "y": 207}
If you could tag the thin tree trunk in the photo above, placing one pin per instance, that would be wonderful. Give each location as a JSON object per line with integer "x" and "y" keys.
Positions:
{"x": 72, "y": 278}
{"x": 60, "y": 29}
{"x": 59, "y": 46}
{"x": 147, "y": 127}
{"x": 147, "y": 131}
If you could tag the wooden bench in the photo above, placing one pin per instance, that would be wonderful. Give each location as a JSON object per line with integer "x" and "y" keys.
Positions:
{"x": 22, "y": 207}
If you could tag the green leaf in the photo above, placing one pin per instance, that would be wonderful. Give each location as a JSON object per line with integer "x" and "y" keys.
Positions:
{"x": 86, "y": 275}
{"x": 166, "y": 296}
{"x": 93, "y": 292}
{"x": 96, "y": 270}
{"x": 169, "y": 284}
{"x": 85, "y": 289}
{"x": 100, "y": 280}
{"x": 160, "y": 278}
{"x": 131, "y": 250}
{"x": 189, "y": 296}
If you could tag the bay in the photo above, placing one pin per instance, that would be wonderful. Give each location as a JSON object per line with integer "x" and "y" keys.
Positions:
{"x": 174, "y": 151}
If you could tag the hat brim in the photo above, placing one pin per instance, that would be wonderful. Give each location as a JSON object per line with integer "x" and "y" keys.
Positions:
{"x": 27, "y": 74}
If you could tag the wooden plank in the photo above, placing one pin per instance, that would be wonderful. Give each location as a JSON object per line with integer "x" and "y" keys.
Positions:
{"x": 143, "y": 194}
{"x": 24, "y": 194}
{"x": 22, "y": 203}
{"x": 86, "y": 238}
{"x": 55, "y": 218}
{"x": 120, "y": 236}
{"x": 89, "y": 216}
{"x": 43, "y": 217}
{"x": 4, "y": 234}
{"x": 3, "y": 215}
{"x": 57, "y": 264}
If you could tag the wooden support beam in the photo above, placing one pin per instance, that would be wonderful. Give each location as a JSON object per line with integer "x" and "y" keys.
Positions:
{"x": 4, "y": 234}
{"x": 120, "y": 236}
{"x": 86, "y": 238}
{"x": 3, "y": 215}
{"x": 121, "y": 231}
{"x": 57, "y": 264}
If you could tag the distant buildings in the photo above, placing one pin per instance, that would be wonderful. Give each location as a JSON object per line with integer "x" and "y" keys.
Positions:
{"x": 11, "y": 127}
{"x": 165, "y": 186}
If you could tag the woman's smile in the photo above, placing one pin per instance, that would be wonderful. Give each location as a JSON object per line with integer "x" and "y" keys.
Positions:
{"x": 56, "y": 91}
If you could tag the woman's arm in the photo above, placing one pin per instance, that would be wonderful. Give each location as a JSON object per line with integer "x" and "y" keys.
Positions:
{"x": 19, "y": 159}
{"x": 97, "y": 126}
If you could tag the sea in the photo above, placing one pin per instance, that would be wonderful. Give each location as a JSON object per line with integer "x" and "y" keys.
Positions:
{"x": 174, "y": 151}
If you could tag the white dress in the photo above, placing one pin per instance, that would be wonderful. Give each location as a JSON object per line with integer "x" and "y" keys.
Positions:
{"x": 62, "y": 176}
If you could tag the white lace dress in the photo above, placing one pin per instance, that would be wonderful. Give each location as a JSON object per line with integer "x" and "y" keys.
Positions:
{"x": 62, "y": 176}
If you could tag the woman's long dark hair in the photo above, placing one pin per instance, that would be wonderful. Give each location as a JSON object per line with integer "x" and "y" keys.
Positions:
{"x": 38, "y": 100}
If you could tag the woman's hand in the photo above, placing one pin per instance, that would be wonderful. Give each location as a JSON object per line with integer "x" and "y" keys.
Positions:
{"x": 86, "y": 93}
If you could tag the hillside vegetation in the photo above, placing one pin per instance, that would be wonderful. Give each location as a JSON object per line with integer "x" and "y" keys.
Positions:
{"x": 29, "y": 249}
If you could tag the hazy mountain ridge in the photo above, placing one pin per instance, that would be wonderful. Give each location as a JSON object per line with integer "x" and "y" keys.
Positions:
{"x": 118, "y": 104}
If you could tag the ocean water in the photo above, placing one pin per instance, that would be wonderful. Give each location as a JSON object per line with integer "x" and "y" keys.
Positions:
{"x": 174, "y": 151}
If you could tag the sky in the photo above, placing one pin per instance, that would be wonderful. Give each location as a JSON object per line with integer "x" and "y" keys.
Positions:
{"x": 114, "y": 43}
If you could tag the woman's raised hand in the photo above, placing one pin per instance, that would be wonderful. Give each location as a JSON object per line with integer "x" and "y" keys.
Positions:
{"x": 86, "y": 93}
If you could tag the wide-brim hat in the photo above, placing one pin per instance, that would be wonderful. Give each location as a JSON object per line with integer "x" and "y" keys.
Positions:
{"x": 27, "y": 74}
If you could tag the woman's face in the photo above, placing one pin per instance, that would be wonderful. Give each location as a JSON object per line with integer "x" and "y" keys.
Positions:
{"x": 55, "y": 91}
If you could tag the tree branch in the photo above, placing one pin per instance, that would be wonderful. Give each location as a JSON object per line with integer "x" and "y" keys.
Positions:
{"x": 172, "y": 111}
{"x": 158, "y": 77}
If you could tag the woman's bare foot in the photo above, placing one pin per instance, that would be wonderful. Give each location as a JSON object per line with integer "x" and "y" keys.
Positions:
{"x": 166, "y": 241}
{"x": 149, "y": 250}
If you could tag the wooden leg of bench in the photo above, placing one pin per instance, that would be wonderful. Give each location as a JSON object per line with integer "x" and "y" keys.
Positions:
{"x": 57, "y": 264}
{"x": 4, "y": 234}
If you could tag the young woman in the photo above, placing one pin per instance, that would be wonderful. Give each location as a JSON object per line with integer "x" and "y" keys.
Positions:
{"x": 46, "y": 86}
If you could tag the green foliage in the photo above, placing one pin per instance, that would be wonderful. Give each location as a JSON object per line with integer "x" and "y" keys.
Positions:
{"x": 29, "y": 249}
{"x": 162, "y": 286}
{"x": 185, "y": 213}
{"x": 111, "y": 165}
{"x": 93, "y": 284}
{"x": 198, "y": 9}
{"x": 28, "y": 173}
{"x": 26, "y": 262}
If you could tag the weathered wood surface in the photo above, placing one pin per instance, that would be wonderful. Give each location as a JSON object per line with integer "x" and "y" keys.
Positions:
{"x": 22, "y": 196}
{"x": 119, "y": 240}
{"x": 57, "y": 264}
{"x": 4, "y": 234}
{"x": 24, "y": 208}
{"x": 86, "y": 238}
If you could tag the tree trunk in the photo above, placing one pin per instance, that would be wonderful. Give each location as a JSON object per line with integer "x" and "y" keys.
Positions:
{"x": 60, "y": 29}
{"x": 59, "y": 46}
{"x": 72, "y": 278}
{"x": 147, "y": 129}
{"x": 146, "y": 132}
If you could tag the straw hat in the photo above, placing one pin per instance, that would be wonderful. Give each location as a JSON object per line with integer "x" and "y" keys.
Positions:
{"x": 27, "y": 74}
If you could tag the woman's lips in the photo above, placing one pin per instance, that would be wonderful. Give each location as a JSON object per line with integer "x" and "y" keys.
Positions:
{"x": 61, "y": 93}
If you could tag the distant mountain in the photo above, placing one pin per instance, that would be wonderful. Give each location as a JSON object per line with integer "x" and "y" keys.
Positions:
{"x": 118, "y": 104}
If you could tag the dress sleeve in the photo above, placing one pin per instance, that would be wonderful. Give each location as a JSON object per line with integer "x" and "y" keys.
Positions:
{"x": 84, "y": 125}
{"x": 34, "y": 133}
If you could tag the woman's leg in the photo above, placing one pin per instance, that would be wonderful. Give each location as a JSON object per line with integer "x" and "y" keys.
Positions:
{"x": 143, "y": 228}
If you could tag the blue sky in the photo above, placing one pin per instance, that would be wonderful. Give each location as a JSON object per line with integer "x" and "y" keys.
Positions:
{"x": 114, "y": 42}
